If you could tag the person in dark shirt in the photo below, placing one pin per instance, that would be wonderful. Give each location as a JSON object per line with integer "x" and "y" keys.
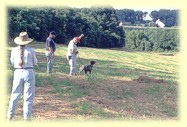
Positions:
{"x": 50, "y": 51}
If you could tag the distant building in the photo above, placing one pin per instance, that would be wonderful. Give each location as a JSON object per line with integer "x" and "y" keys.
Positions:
{"x": 147, "y": 17}
{"x": 120, "y": 24}
{"x": 159, "y": 23}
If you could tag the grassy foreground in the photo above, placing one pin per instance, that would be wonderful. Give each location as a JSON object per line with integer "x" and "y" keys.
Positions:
{"x": 124, "y": 86}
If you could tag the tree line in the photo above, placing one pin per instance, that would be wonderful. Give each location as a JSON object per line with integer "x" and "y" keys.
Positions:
{"x": 130, "y": 16}
{"x": 168, "y": 17}
{"x": 100, "y": 25}
{"x": 152, "y": 39}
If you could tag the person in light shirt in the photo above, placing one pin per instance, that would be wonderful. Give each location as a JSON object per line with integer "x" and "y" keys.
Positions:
{"x": 23, "y": 58}
{"x": 72, "y": 54}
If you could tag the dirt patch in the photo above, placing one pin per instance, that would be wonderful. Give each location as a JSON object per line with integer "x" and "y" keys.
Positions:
{"x": 109, "y": 96}
{"x": 167, "y": 54}
{"x": 146, "y": 79}
{"x": 48, "y": 105}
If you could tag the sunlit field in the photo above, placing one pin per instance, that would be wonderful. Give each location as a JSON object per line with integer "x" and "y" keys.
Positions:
{"x": 124, "y": 85}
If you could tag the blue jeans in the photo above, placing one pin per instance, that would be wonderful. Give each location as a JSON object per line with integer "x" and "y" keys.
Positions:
{"x": 49, "y": 61}
{"x": 24, "y": 81}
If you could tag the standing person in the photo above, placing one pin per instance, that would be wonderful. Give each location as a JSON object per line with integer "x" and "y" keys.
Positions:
{"x": 23, "y": 58}
{"x": 50, "y": 51}
{"x": 72, "y": 54}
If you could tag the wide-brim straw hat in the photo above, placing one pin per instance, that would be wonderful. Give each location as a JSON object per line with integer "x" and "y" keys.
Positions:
{"x": 23, "y": 39}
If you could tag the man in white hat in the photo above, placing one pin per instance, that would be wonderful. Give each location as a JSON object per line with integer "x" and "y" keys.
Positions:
{"x": 72, "y": 54}
{"x": 22, "y": 58}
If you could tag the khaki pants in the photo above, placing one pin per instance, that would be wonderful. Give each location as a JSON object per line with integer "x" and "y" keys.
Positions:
{"x": 72, "y": 63}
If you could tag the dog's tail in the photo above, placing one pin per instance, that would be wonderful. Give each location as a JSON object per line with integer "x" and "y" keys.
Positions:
{"x": 81, "y": 68}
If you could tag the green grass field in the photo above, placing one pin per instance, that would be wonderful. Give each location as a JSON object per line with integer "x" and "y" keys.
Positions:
{"x": 124, "y": 85}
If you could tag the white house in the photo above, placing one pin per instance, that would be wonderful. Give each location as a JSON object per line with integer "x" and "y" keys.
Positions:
{"x": 159, "y": 23}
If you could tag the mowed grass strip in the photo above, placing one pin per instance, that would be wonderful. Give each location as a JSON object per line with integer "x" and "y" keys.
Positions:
{"x": 91, "y": 111}
{"x": 68, "y": 89}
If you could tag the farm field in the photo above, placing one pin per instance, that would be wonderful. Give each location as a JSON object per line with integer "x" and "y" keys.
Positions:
{"x": 124, "y": 85}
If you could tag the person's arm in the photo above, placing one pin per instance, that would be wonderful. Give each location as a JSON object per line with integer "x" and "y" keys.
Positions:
{"x": 82, "y": 35}
{"x": 72, "y": 49}
{"x": 75, "y": 51}
{"x": 35, "y": 61}
{"x": 50, "y": 48}
{"x": 12, "y": 57}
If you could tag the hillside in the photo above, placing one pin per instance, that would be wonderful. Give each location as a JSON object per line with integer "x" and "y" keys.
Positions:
{"x": 124, "y": 85}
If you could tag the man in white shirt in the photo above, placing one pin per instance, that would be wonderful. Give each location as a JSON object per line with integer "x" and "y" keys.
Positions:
{"x": 72, "y": 54}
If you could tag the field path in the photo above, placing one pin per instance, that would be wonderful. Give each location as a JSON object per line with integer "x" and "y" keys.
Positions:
{"x": 48, "y": 105}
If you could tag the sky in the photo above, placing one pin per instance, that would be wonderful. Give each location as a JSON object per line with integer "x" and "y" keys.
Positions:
{"x": 149, "y": 10}
{"x": 144, "y": 9}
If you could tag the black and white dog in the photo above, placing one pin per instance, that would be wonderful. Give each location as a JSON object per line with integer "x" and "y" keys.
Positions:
{"x": 87, "y": 68}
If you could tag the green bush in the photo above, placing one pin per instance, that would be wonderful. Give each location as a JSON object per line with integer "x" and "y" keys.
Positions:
{"x": 99, "y": 24}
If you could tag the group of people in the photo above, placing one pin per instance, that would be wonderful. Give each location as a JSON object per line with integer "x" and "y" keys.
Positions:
{"x": 23, "y": 58}
{"x": 71, "y": 53}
